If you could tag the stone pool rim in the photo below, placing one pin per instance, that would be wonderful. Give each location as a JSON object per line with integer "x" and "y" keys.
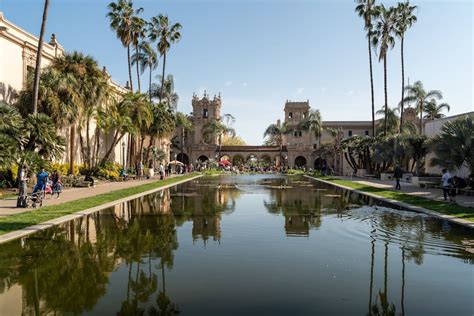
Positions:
{"x": 403, "y": 205}
{"x": 24, "y": 232}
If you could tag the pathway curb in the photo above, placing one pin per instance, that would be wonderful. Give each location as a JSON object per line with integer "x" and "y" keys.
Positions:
{"x": 404, "y": 205}
{"x": 66, "y": 218}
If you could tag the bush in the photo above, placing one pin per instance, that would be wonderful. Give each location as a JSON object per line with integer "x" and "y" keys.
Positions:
{"x": 62, "y": 168}
{"x": 294, "y": 172}
{"x": 109, "y": 171}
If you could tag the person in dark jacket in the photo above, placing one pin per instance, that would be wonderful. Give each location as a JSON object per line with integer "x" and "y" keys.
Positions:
{"x": 398, "y": 175}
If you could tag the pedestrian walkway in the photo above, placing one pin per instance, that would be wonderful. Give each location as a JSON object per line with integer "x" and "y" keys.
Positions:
{"x": 412, "y": 189}
{"x": 8, "y": 205}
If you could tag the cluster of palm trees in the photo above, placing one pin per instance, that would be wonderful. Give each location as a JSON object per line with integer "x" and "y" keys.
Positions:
{"x": 138, "y": 34}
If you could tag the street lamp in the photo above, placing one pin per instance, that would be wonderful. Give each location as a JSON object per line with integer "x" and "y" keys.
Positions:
{"x": 123, "y": 153}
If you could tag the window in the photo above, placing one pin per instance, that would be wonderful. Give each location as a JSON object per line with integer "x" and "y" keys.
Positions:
{"x": 295, "y": 134}
{"x": 304, "y": 115}
{"x": 205, "y": 113}
{"x": 300, "y": 133}
{"x": 366, "y": 133}
{"x": 290, "y": 115}
{"x": 350, "y": 133}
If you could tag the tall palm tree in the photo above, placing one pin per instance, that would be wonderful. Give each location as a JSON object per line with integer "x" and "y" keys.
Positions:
{"x": 120, "y": 15}
{"x": 391, "y": 124}
{"x": 160, "y": 30}
{"x": 405, "y": 19}
{"x": 215, "y": 128}
{"x": 171, "y": 98}
{"x": 313, "y": 123}
{"x": 365, "y": 9}
{"x": 185, "y": 126}
{"x": 39, "y": 54}
{"x": 147, "y": 58}
{"x": 138, "y": 33}
{"x": 276, "y": 132}
{"x": 421, "y": 97}
{"x": 384, "y": 39}
{"x": 433, "y": 110}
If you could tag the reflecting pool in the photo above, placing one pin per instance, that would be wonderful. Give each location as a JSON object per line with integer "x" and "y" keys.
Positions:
{"x": 243, "y": 245}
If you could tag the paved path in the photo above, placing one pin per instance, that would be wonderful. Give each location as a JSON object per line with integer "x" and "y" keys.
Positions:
{"x": 412, "y": 189}
{"x": 8, "y": 206}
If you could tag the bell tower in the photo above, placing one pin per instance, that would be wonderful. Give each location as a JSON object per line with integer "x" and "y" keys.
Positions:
{"x": 204, "y": 110}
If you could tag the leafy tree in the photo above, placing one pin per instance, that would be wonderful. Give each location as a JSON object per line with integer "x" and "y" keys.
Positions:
{"x": 365, "y": 10}
{"x": 313, "y": 123}
{"x": 404, "y": 20}
{"x": 433, "y": 110}
{"x": 217, "y": 129}
{"x": 167, "y": 94}
{"x": 454, "y": 146}
{"x": 233, "y": 141}
{"x": 147, "y": 58}
{"x": 160, "y": 30}
{"x": 384, "y": 40}
{"x": 391, "y": 121}
{"x": 184, "y": 126}
{"x": 275, "y": 133}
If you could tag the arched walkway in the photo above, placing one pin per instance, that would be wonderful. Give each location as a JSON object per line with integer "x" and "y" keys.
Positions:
{"x": 202, "y": 158}
{"x": 300, "y": 161}
{"x": 238, "y": 160}
{"x": 266, "y": 161}
{"x": 182, "y": 157}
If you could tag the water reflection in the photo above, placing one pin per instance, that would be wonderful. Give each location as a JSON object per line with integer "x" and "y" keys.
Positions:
{"x": 70, "y": 268}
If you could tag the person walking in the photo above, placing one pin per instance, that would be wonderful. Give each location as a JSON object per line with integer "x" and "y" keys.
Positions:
{"x": 57, "y": 186}
{"x": 398, "y": 175}
{"x": 22, "y": 186}
{"x": 140, "y": 170}
{"x": 446, "y": 180}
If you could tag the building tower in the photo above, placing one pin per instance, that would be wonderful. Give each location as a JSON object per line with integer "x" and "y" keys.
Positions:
{"x": 295, "y": 113}
{"x": 204, "y": 110}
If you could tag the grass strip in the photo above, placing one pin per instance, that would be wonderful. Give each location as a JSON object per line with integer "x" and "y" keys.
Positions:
{"x": 43, "y": 214}
{"x": 466, "y": 213}
{"x": 7, "y": 196}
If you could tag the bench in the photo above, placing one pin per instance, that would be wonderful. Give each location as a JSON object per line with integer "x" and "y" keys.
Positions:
{"x": 427, "y": 184}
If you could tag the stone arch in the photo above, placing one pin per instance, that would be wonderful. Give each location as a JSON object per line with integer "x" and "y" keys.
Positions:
{"x": 318, "y": 163}
{"x": 203, "y": 158}
{"x": 238, "y": 160}
{"x": 266, "y": 160}
{"x": 182, "y": 157}
{"x": 300, "y": 161}
{"x": 226, "y": 157}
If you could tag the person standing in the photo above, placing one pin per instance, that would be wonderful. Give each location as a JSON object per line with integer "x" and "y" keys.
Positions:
{"x": 446, "y": 180}
{"x": 140, "y": 170}
{"x": 22, "y": 186}
{"x": 162, "y": 172}
{"x": 398, "y": 175}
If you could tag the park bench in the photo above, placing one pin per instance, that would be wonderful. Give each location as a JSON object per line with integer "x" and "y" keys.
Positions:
{"x": 427, "y": 184}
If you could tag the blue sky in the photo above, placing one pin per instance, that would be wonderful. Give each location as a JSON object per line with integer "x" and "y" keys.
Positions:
{"x": 258, "y": 54}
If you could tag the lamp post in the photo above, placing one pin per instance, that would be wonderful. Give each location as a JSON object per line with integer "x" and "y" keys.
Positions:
{"x": 123, "y": 153}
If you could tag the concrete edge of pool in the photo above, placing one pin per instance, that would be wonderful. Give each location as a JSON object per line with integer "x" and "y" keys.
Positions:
{"x": 404, "y": 205}
{"x": 66, "y": 218}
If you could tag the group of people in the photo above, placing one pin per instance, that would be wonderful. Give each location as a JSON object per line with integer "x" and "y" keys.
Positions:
{"x": 45, "y": 184}
{"x": 450, "y": 185}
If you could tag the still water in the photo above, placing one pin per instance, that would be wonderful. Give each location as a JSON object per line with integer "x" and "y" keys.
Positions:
{"x": 243, "y": 245}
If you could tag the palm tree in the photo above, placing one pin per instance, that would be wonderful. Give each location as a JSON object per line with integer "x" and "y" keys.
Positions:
{"x": 163, "y": 125}
{"x": 454, "y": 146}
{"x": 39, "y": 54}
{"x": 313, "y": 123}
{"x": 421, "y": 97}
{"x": 215, "y": 128}
{"x": 384, "y": 40}
{"x": 141, "y": 114}
{"x": 138, "y": 33}
{"x": 171, "y": 98}
{"x": 120, "y": 15}
{"x": 391, "y": 123}
{"x": 405, "y": 19}
{"x": 275, "y": 132}
{"x": 147, "y": 58}
{"x": 433, "y": 110}
{"x": 160, "y": 30}
{"x": 185, "y": 126}
{"x": 366, "y": 11}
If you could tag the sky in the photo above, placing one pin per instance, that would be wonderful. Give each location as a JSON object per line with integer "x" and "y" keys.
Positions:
{"x": 260, "y": 53}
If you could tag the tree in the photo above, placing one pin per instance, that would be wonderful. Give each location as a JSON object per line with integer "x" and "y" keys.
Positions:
{"x": 138, "y": 33}
{"x": 39, "y": 54}
{"x": 405, "y": 19}
{"x": 163, "y": 125}
{"x": 147, "y": 58}
{"x": 215, "y": 128}
{"x": 384, "y": 40}
{"x": 313, "y": 123}
{"x": 185, "y": 126}
{"x": 160, "y": 30}
{"x": 454, "y": 146}
{"x": 166, "y": 93}
{"x": 141, "y": 114}
{"x": 433, "y": 110}
{"x": 365, "y": 9}
{"x": 275, "y": 133}
{"x": 120, "y": 15}
{"x": 391, "y": 123}
{"x": 418, "y": 95}
{"x": 233, "y": 141}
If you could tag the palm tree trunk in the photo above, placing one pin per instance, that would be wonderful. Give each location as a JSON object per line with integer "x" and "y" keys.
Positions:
{"x": 149, "y": 83}
{"x": 421, "y": 118}
{"x": 138, "y": 71}
{"x": 371, "y": 87}
{"x": 72, "y": 140}
{"x": 182, "y": 144}
{"x": 129, "y": 68}
{"x": 39, "y": 54}
{"x": 403, "y": 87}
{"x": 386, "y": 94}
{"x": 163, "y": 76}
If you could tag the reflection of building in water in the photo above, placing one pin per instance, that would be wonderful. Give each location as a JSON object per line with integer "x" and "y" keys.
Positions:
{"x": 297, "y": 225}
{"x": 206, "y": 227}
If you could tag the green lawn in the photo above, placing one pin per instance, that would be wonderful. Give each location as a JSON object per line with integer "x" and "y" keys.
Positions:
{"x": 7, "y": 196}
{"x": 466, "y": 213}
{"x": 40, "y": 215}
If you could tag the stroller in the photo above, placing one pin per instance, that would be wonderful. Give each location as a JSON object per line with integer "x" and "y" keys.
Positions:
{"x": 36, "y": 197}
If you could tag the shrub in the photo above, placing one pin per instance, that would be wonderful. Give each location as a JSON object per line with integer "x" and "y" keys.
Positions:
{"x": 109, "y": 171}
{"x": 294, "y": 172}
{"x": 62, "y": 168}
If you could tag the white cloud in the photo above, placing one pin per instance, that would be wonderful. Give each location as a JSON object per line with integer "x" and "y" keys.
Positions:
{"x": 228, "y": 83}
{"x": 244, "y": 84}
{"x": 299, "y": 91}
